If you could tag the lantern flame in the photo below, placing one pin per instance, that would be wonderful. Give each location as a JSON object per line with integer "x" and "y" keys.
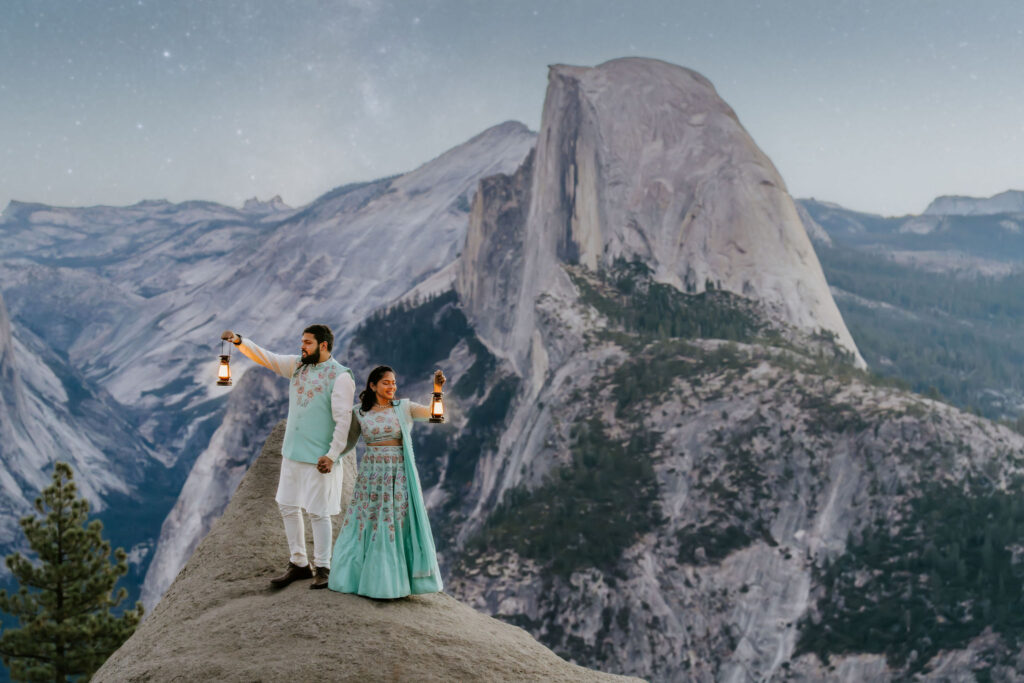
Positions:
{"x": 224, "y": 372}
{"x": 436, "y": 408}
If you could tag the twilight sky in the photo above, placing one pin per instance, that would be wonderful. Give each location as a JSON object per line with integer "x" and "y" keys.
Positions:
{"x": 879, "y": 105}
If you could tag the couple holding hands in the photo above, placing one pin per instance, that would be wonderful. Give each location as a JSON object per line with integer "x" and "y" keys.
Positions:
{"x": 385, "y": 548}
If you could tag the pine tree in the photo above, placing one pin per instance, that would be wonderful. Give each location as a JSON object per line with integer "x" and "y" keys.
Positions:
{"x": 65, "y": 598}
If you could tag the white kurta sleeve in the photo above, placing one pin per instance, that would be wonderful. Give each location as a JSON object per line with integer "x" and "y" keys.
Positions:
{"x": 341, "y": 409}
{"x": 282, "y": 365}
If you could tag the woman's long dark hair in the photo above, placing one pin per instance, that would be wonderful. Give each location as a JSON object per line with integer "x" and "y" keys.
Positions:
{"x": 367, "y": 397}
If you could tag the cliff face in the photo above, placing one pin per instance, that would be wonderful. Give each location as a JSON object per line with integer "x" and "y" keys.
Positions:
{"x": 10, "y": 413}
{"x": 219, "y": 620}
{"x": 10, "y": 383}
{"x": 489, "y": 272}
{"x": 639, "y": 160}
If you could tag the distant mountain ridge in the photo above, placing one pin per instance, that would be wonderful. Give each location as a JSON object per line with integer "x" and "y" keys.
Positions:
{"x": 1011, "y": 201}
{"x": 932, "y": 299}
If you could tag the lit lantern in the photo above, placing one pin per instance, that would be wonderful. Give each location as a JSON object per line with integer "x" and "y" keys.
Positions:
{"x": 437, "y": 400}
{"x": 224, "y": 370}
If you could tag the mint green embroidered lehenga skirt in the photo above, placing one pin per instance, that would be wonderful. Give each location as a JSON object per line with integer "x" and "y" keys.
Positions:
{"x": 372, "y": 555}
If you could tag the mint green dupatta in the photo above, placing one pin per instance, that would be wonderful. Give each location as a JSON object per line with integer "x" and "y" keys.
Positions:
{"x": 426, "y": 576}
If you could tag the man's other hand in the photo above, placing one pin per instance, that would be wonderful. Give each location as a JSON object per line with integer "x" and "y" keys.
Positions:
{"x": 324, "y": 464}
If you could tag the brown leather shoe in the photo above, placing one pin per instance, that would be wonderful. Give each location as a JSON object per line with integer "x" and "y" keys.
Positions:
{"x": 293, "y": 573}
{"x": 320, "y": 578}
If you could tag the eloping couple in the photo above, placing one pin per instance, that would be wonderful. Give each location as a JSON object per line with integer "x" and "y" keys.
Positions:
{"x": 385, "y": 548}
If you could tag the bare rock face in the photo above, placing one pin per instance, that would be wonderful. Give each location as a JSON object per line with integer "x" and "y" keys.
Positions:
{"x": 10, "y": 412}
{"x": 220, "y": 621}
{"x": 10, "y": 390}
{"x": 490, "y": 269}
{"x": 641, "y": 160}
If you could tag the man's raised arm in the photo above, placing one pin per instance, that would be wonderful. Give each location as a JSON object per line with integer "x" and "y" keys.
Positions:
{"x": 282, "y": 365}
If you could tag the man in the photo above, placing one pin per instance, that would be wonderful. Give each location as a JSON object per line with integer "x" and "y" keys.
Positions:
{"x": 320, "y": 398}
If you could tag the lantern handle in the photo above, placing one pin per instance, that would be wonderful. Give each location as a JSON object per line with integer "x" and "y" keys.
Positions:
{"x": 439, "y": 380}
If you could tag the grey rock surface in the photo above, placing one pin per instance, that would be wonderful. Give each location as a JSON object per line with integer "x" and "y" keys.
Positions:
{"x": 10, "y": 383}
{"x": 490, "y": 268}
{"x": 641, "y": 160}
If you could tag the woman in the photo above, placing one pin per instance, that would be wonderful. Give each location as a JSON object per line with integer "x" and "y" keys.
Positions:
{"x": 385, "y": 548}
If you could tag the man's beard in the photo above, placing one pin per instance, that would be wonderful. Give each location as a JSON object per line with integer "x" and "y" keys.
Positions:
{"x": 310, "y": 359}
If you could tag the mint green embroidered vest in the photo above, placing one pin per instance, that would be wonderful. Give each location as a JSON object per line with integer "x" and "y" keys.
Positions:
{"x": 310, "y": 425}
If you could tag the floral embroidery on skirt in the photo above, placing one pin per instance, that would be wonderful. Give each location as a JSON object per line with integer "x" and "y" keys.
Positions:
{"x": 380, "y": 497}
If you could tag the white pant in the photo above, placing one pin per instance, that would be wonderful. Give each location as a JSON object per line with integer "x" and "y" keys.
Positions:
{"x": 295, "y": 530}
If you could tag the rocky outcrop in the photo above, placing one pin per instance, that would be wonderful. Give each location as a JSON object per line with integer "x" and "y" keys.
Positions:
{"x": 639, "y": 160}
{"x": 219, "y": 620}
{"x": 274, "y": 205}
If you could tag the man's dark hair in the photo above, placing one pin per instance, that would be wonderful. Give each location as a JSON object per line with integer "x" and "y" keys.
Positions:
{"x": 321, "y": 333}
